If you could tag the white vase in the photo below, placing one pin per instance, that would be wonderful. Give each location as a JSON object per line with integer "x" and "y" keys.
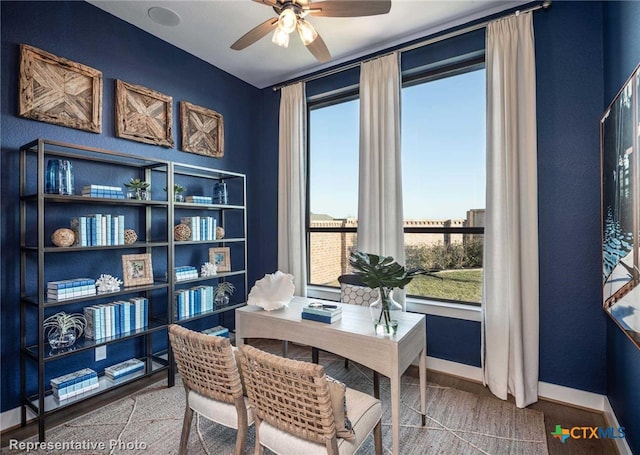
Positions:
{"x": 384, "y": 312}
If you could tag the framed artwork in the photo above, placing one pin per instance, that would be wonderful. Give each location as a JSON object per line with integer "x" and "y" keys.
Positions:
{"x": 220, "y": 256}
{"x": 56, "y": 90}
{"x": 137, "y": 269}
{"x": 202, "y": 130}
{"x": 143, "y": 115}
{"x": 620, "y": 150}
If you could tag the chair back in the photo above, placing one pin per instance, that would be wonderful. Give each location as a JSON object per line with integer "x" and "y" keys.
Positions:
{"x": 354, "y": 291}
{"x": 290, "y": 395}
{"x": 206, "y": 364}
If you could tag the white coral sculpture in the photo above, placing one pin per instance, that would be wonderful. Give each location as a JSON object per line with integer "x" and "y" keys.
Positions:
{"x": 108, "y": 283}
{"x": 208, "y": 269}
{"x": 273, "y": 291}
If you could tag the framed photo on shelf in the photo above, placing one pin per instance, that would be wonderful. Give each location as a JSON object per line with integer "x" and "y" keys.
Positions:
{"x": 220, "y": 256}
{"x": 137, "y": 269}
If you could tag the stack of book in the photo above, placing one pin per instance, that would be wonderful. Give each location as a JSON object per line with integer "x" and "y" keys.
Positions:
{"x": 322, "y": 313}
{"x": 75, "y": 383}
{"x": 71, "y": 289}
{"x": 217, "y": 331}
{"x": 98, "y": 229}
{"x": 202, "y": 227}
{"x": 186, "y": 272}
{"x": 113, "y": 192}
{"x": 199, "y": 199}
{"x": 124, "y": 369}
{"x": 194, "y": 301}
{"x": 116, "y": 318}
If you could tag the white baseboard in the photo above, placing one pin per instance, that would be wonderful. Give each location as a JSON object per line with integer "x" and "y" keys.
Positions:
{"x": 11, "y": 418}
{"x": 612, "y": 421}
{"x": 546, "y": 390}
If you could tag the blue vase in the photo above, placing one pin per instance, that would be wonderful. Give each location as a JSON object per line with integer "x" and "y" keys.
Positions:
{"x": 59, "y": 177}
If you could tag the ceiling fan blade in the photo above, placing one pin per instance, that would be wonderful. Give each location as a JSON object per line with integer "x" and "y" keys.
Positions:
{"x": 319, "y": 50}
{"x": 267, "y": 2}
{"x": 255, "y": 34}
{"x": 335, "y": 8}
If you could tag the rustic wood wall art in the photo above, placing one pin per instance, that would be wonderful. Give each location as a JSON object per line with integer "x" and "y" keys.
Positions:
{"x": 56, "y": 90}
{"x": 143, "y": 115}
{"x": 202, "y": 130}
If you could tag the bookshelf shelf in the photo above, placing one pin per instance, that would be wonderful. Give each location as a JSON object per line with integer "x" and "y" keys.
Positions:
{"x": 153, "y": 220}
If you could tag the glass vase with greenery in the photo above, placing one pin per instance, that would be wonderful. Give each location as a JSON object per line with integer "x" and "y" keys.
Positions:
{"x": 62, "y": 329}
{"x": 385, "y": 274}
{"x": 139, "y": 189}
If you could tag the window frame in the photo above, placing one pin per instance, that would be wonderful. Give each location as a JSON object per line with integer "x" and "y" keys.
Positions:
{"x": 437, "y": 306}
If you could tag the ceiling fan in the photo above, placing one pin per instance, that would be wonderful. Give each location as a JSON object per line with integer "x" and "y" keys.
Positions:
{"x": 292, "y": 14}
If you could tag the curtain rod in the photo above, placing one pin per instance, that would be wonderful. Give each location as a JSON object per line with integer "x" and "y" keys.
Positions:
{"x": 472, "y": 28}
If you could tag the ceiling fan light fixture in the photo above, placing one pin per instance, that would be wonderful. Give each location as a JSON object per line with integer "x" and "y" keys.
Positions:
{"x": 287, "y": 20}
{"x": 280, "y": 37}
{"x": 306, "y": 31}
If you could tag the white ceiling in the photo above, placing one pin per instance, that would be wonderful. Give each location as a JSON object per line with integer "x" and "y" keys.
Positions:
{"x": 208, "y": 28}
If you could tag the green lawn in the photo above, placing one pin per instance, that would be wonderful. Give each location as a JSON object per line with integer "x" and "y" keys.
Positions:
{"x": 464, "y": 285}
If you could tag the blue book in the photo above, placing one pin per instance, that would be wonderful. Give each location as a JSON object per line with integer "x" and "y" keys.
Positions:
{"x": 319, "y": 318}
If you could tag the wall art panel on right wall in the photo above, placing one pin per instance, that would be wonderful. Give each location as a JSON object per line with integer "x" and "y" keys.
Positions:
{"x": 620, "y": 149}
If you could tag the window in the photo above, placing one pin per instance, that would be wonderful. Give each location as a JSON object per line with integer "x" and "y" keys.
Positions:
{"x": 443, "y": 178}
{"x": 332, "y": 187}
{"x": 443, "y": 155}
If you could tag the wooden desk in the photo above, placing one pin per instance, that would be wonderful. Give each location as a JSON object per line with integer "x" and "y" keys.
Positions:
{"x": 352, "y": 337}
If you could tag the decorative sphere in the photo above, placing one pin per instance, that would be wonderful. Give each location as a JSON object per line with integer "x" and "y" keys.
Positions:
{"x": 219, "y": 232}
{"x": 182, "y": 232}
{"x": 63, "y": 237}
{"x": 130, "y": 236}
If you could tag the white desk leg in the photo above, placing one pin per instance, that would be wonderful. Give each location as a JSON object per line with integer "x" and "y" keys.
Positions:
{"x": 423, "y": 385}
{"x": 395, "y": 413}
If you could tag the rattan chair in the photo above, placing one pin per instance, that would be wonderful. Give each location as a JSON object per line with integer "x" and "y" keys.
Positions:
{"x": 293, "y": 409}
{"x": 212, "y": 383}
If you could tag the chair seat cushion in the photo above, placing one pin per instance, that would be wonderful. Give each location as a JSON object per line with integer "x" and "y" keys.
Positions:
{"x": 364, "y": 412}
{"x": 217, "y": 411}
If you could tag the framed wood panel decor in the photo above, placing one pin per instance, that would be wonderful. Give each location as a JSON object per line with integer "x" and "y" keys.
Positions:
{"x": 56, "y": 90}
{"x": 202, "y": 130}
{"x": 143, "y": 115}
{"x": 137, "y": 269}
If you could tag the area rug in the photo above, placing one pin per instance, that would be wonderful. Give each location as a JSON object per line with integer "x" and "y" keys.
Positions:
{"x": 458, "y": 422}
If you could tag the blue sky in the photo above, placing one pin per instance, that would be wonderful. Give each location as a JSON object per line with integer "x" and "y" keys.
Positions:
{"x": 443, "y": 151}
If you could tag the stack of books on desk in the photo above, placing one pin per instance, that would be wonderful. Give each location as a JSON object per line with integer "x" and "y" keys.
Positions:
{"x": 322, "y": 313}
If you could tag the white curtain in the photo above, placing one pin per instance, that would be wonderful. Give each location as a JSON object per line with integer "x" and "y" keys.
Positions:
{"x": 380, "y": 217}
{"x": 510, "y": 331}
{"x": 291, "y": 186}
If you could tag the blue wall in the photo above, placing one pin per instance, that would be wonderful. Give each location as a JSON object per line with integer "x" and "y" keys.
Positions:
{"x": 578, "y": 345}
{"x": 83, "y": 33}
{"x": 621, "y": 56}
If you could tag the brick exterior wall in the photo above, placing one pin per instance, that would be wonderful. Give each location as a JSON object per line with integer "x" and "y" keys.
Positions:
{"x": 329, "y": 251}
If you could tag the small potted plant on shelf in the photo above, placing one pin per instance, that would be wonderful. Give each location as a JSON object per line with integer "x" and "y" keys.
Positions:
{"x": 138, "y": 189}
{"x": 62, "y": 329}
{"x": 177, "y": 192}
{"x": 222, "y": 292}
{"x": 385, "y": 274}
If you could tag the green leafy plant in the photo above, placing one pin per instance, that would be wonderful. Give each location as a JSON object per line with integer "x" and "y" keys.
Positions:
{"x": 177, "y": 188}
{"x": 385, "y": 274}
{"x": 137, "y": 184}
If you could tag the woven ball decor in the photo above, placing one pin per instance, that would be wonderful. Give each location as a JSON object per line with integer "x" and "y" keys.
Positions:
{"x": 130, "y": 236}
{"x": 181, "y": 232}
{"x": 219, "y": 232}
{"x": 63, "y": 237}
